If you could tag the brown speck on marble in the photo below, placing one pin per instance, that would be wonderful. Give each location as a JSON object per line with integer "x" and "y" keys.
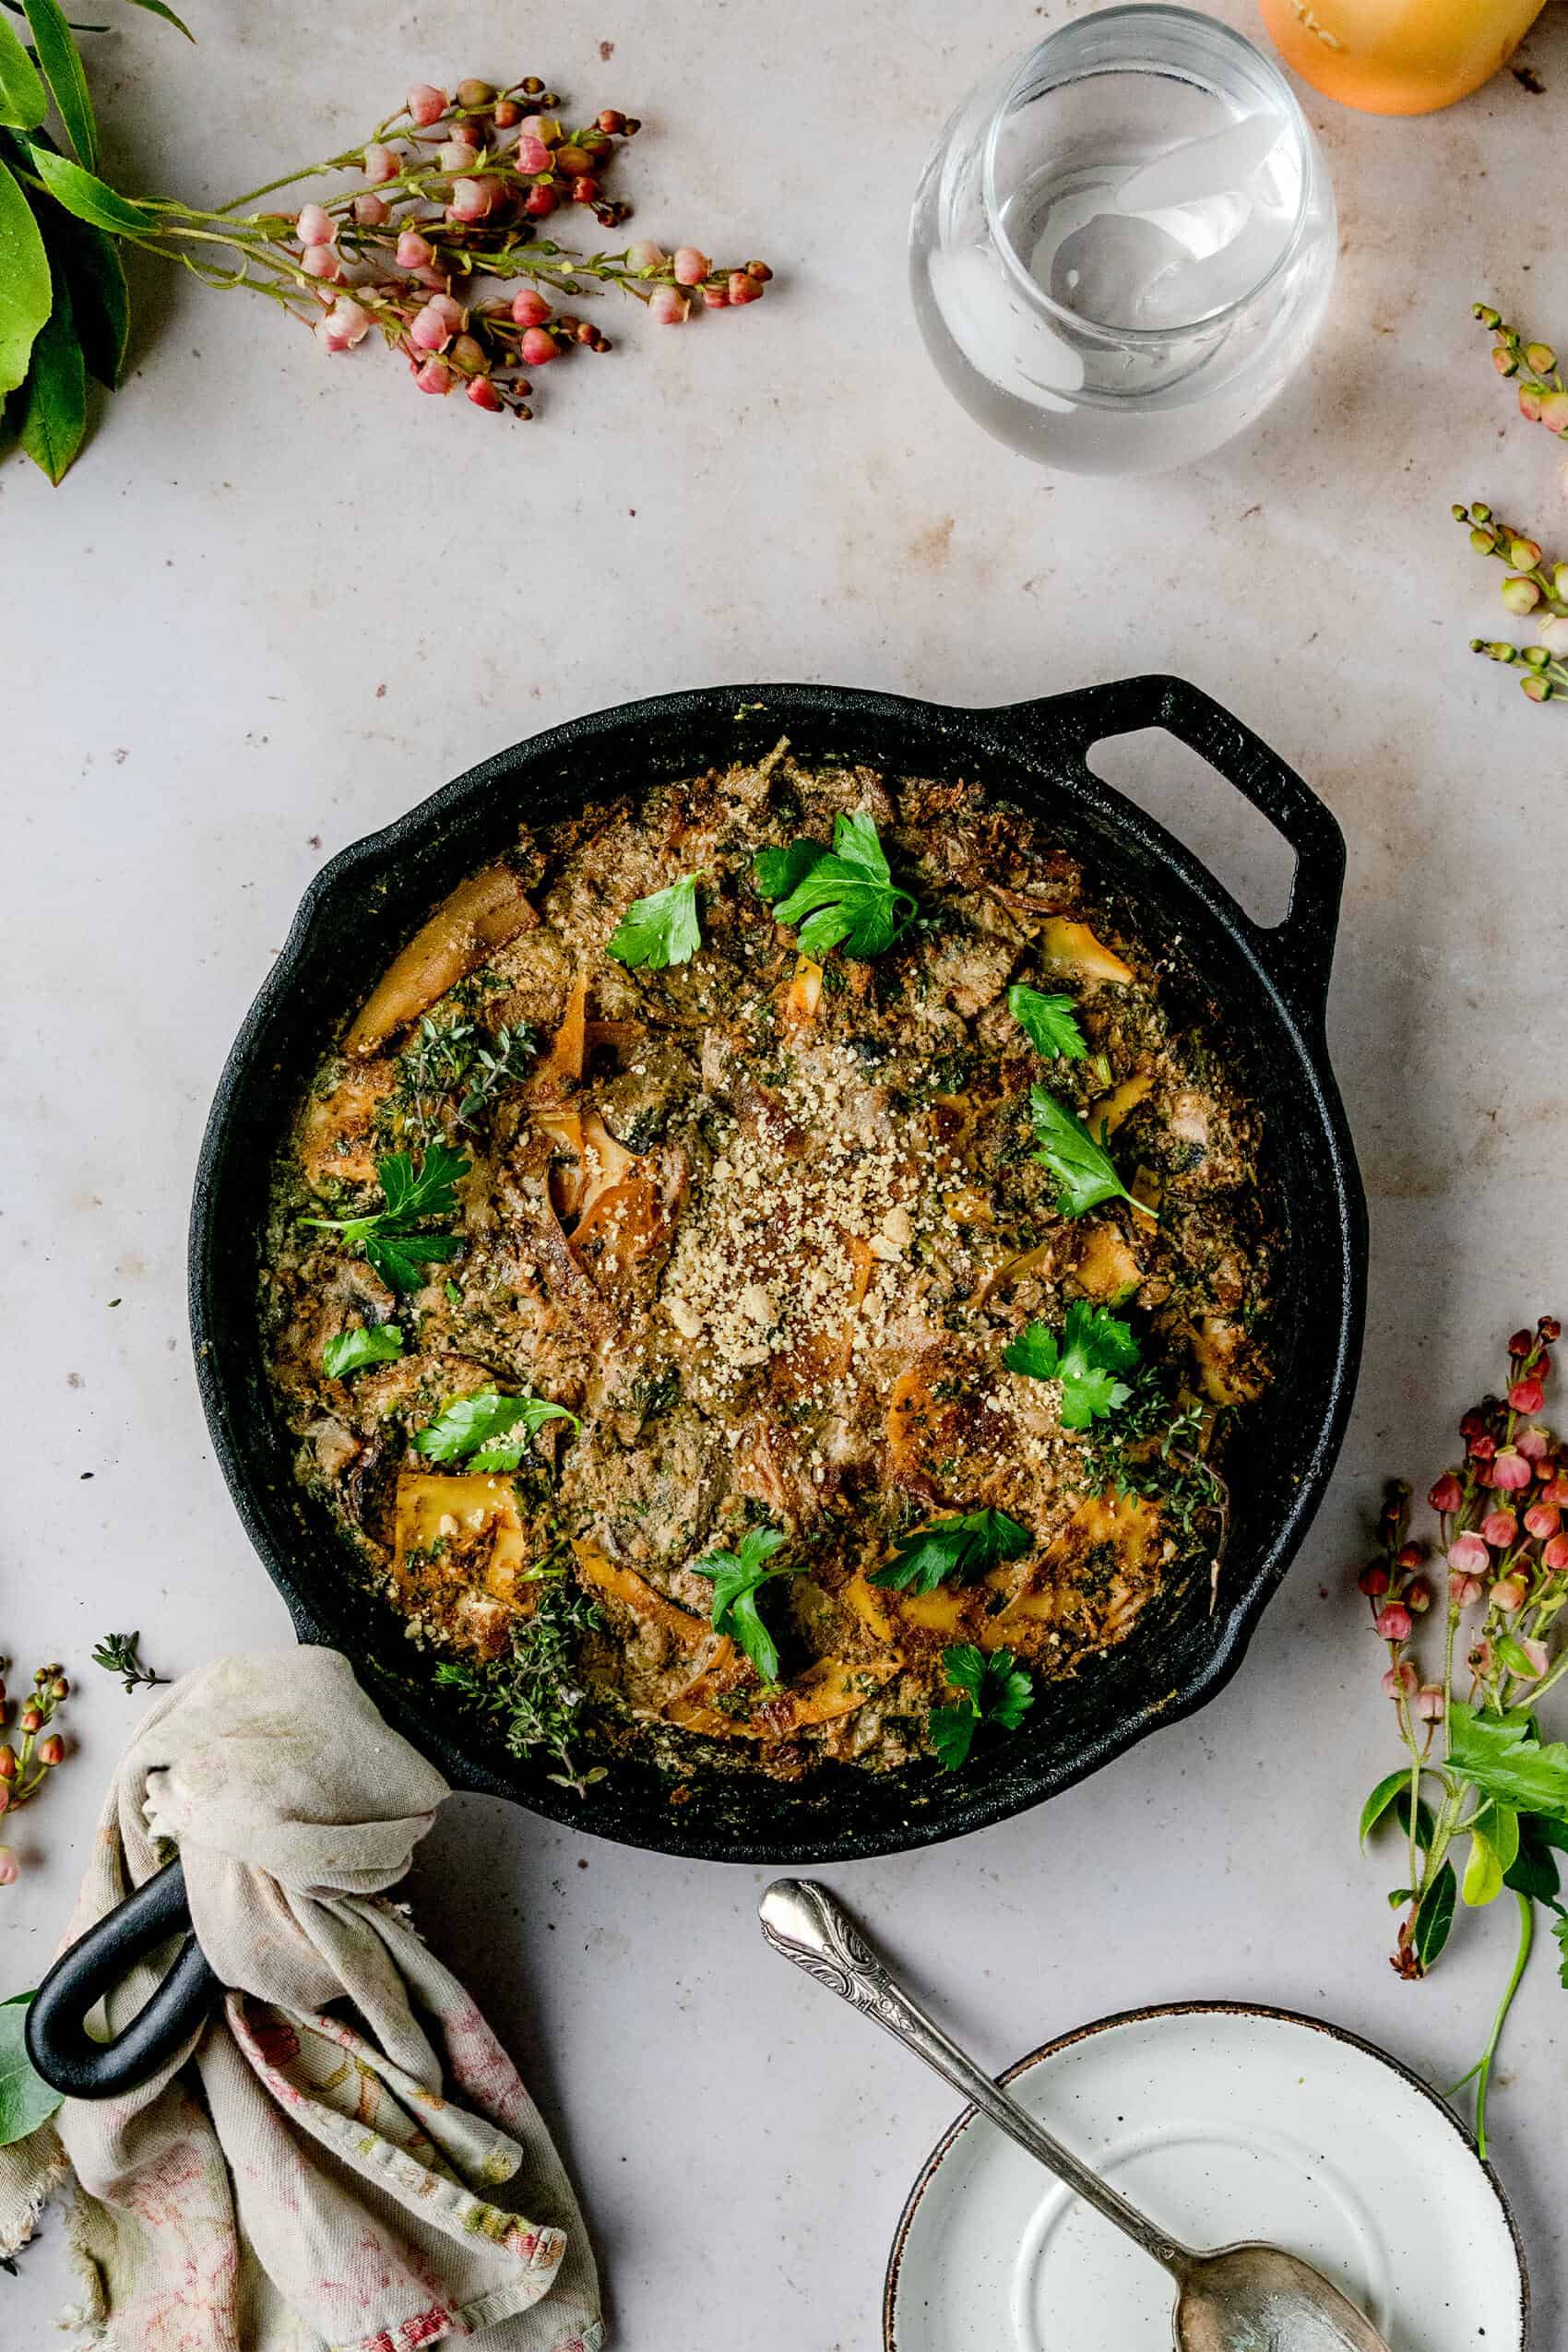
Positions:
{"x": 75, "y": 1380}
{"x": 932, "y": 546}
{"x": 1527, "y": 78}
{"x": 607, "y": 49}
{"x": 381, "y": 694}
{"x": 316, "y": 840}
{"x": 121, "y": 754}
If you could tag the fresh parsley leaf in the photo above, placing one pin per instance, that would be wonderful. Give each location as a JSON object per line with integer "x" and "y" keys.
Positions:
{"x": 1049, "y": 1022}
{"x": 995, "y": 1690}
{"x": 494, "y": 1431}
{"x": 843, "y": 897}
{"x": 410, "y": 1192}
{"x": 737, "y": 1578}
{"x": 964, "y": 1547}
{"x": 660, "y": 930}
{"x": 1502, "y": 1756}
{"x": 379, "y": 1342}
{"x": 1094, "y": 1347}
{"x": 1084, "y": 1171}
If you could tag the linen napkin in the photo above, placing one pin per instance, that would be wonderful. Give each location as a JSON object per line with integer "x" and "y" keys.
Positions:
{"x": 351, "y": 2163}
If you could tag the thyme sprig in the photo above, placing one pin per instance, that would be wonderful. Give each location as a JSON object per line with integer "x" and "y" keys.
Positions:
{"x": 535, "y": 1693}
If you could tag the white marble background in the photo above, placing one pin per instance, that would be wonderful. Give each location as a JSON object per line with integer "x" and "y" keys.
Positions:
{"x": 281, "y": 598}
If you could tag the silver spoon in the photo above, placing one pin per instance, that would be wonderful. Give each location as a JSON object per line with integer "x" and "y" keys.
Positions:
{"x": 1240, "y": 2298}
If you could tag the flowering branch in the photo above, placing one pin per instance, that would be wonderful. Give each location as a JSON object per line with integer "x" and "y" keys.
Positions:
{"x": 25, "y": 1766}
{"x": 1478, "y": 1773}
{"x": 1532, "y": 586}
{"x": 447, "y": 211}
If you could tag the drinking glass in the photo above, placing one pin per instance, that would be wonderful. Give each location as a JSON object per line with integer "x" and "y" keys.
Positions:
{"x": 1123, "y": 245}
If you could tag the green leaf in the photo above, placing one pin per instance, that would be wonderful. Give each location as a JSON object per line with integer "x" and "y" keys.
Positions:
{"x": 737, "y": 1578}
{"x": 1513, "y": 1654}
{"x": 661, "y": 929}
{"x": 845, "y": 897}
{"x": 63, "y": 69}
{"x": 1502, "y": 1836}
{"x": 1483, "y": 1872}
{"x": 399, "y": 1254}
{"x": 159, "y": 8}
{"x": 90, "y": 198}
{"x": 52, "y": 400}
{"x": 1533, "y": 1870}
{"x": 1435, "y": 1917}
{"x": 995, "y": 1690}
{"x": 1501, "y": 1755}
{"x": 99, "y": 302}
{"x": 427, "y": 1191}
{"x": 964, "y": 1547}
{"x": 778, "y": 872}
{"x": 1094, "y": 1347}
{"x": 26, "y": 2099}
{"x": 1382, "y": 1798}
{"x": 379, "y": 1342}
{"x": 400, "y": 1259}
{"x": 24, "y": 101}
{"x": 26, "y": 288}
{"x": 1560, "y": 1929}
{"x": 1084, "y": 1171}
{"x": 495, "y": 1429}
{"x": 1425, "y": 1824}
{"x": 1049, "y": 1022}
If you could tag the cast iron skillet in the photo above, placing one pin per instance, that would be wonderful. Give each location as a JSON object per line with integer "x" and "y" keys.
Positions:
{"x": 1272, "y": 984}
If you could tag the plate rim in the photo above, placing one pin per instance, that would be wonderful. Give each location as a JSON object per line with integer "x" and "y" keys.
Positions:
{"x": 1140, "y": 2015}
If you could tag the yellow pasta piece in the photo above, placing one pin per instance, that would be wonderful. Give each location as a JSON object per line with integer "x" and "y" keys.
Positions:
{"x": 1073, "y": 947}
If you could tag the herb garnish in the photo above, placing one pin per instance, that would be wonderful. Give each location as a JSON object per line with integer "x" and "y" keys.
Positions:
{"x": 1049, "y": 1022}
{"x": 396, "y": 1250}
{"x": 118, "y": 1654}
{"x": 492, "y": 1431}
{"x": 660, "y": 930}
{"x": 843, "y": 897}
{"x": 379, "y": 1342}
{"x": 964, "y": 1547}
{"x": 995, "y": 1690}
{"x": 535, "y": 1692}
{"x": 440, "y": 1060}
{"x": 1084, "y": 1171}
{"x": 737, "y": 1578}
{"x": 1093, "y": 1348}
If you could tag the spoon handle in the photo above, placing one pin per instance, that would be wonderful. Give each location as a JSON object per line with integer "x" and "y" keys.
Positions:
{"x": 803, "y": 1920}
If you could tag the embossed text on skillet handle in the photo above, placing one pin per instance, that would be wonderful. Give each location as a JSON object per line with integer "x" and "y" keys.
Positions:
{"x": 805, "y": 1923}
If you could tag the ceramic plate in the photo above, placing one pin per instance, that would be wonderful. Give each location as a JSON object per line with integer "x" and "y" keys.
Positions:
{"x": 1224, "y": 2122}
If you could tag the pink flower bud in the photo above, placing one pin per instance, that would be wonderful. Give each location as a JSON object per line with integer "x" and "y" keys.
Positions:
{"x": 5, "y": 1796}
{"x": 691, "y": 267}
{"x": 1431, "y": 1703}
{"x": 426, "y": 105}
{"x": 1554, "y": 411}
{"x": 1554, "y": 1555}
{"x": 538, "y": 348}
{"x": 1526, "y": 1395}
{"x": 1534, "y": 1443}
{"x": 1464, "y": 1591}
{"x": 473, "y": 199}
{"x": 1499, "y": 1529}
{"x": 539, "y": 201}
{"x": 529, "y": 307}
{"x": 1508, "y": 1593}
{"x": 433, "y": 376}
{"x": 430, "y": 330}
{"x": 8, "y": 1763}
{"x": 1467, "y": 1556}
{"x": 1392, "y": 1622}
{"x": 345, "y": 323}
{"x": 1373, "y": 1579}
{"x": 372, "y": 211}
{"x": 1447, "y": 1494}
{"x": 321, "y": 261}
{"x": 1510, "y": 1470}
{"x": 1483, "y": 1445}
{"x": 645, "y": 254}
{"x": 457, "y": 156}
{"x": 743, "y": 288}
{"x": 10, "y": 1868}
{"x": 468, "y": 353}
{"x": 52, "y": 1751}
{"x": 381, "y": 163}
{"x": 1542, "y": 1519}
{"x": 1400, "y": 1680}
{"x": 715, "y": 298}
{"x": 481, "y": 392}
{"x": 543, "y": 127}
{"x": 1418, "y": 1595}
{"x": 1555, "y": 1491}
{"x": 667, "y": 307}
{"x": 30, "y": 1719}
{"x": 1552, "y": 633}
{"x": 508, "y": 113}
{"x": 530, "y": 154}
{"x": 1538, "y": 1660}
{"x": 315, "y": 226}
{"x": 414, "y": 252}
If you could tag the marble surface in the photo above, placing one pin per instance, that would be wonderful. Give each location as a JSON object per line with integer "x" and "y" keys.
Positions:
{"x": 280, "y": 599}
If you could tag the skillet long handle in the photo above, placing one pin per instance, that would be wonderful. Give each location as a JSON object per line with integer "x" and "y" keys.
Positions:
{"x": 58, "y": 2043}
{"x": 802, "y": 1920}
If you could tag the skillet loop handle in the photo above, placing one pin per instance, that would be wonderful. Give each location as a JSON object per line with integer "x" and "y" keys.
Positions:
{"x": 58, "y": 2042}
{"x": 1299, "y": 952}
